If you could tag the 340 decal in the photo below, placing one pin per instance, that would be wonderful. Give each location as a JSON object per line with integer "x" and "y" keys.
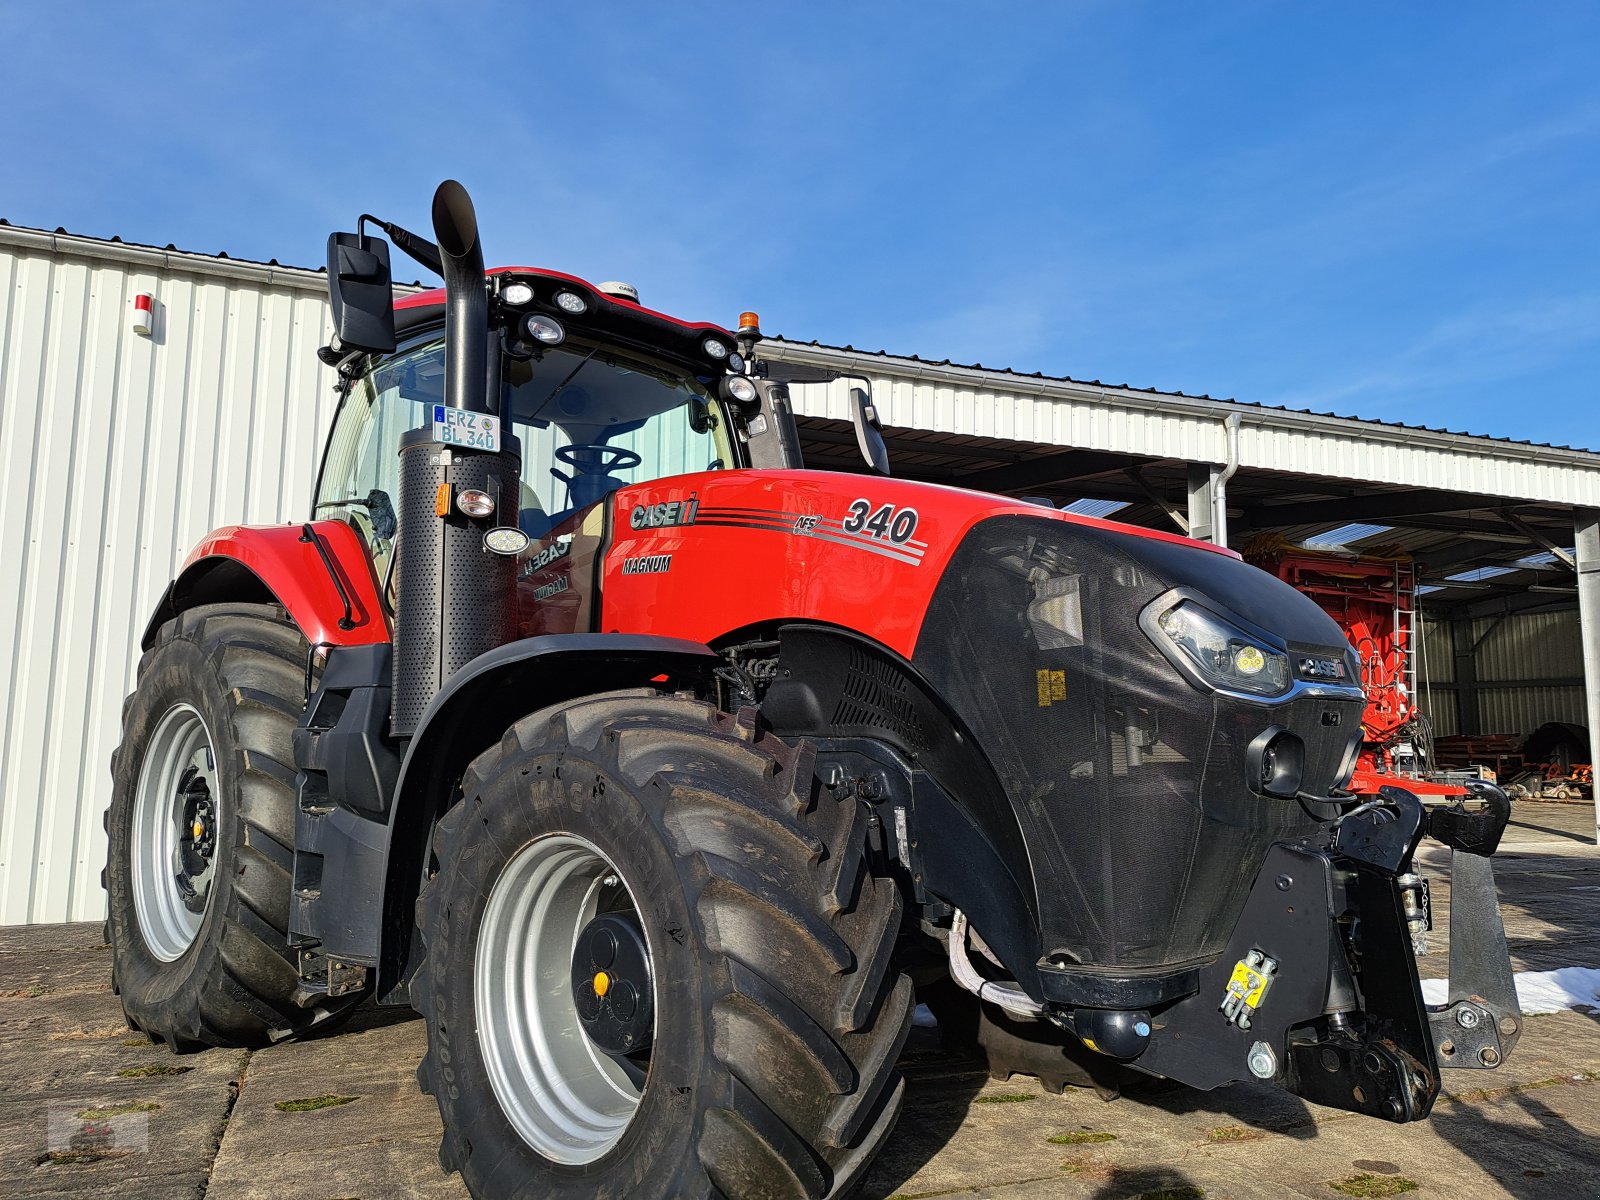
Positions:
{"x": 886, "y": 522}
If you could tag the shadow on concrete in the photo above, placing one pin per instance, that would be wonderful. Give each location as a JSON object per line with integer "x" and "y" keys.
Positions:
{"x": 940, "y": 1087}
{"x": 1166, "y": 1182}
{"x": 1250, "y": 1105}
{"x": 1565, "y": 834}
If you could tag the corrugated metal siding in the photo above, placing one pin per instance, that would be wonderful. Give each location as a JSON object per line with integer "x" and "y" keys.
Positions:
{"x": 1440, "y": 705}
{"x": 1541, "y": 645}
{"x": 966, "y": 400}
{"x": 1516, "y": 649}
{"x": 1436, "y": 660}
{"x": 121, "y": 451}
{"x": 1522, "y": 710}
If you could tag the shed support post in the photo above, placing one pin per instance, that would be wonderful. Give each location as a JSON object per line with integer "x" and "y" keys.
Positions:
{"x": 1465, "y": 652}
{"x": 1202, "y": 501}
{"x": 1586, "y": 527}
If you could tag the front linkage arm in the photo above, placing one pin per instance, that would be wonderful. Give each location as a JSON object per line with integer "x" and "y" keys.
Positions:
{"x": 1318, "y": 989}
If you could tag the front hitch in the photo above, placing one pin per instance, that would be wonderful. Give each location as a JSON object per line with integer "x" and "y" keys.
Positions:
{"x": 1318, "y": 989}
{"x": 1481, "y": 1020}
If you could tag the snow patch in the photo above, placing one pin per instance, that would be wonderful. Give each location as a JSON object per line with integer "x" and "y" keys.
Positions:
{"x": 1539, "y": 991}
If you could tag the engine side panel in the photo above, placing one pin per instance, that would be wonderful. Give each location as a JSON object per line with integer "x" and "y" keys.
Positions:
{"x": 696, "y": 556}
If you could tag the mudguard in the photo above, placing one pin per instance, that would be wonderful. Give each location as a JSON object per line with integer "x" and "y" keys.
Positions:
{"x": 319, "y": 571}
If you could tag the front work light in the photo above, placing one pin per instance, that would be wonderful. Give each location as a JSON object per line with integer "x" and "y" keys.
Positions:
{"x": 739, "y": 389}
{"x": 571, "y": 302}
{"x": 474, "y": 503}
{"x": 716, "y": 348}
{"x": 546, "y": 330}
{"x": 505, "y": 539}
{"x": 516, "y": 294}
{"x": 1217, "y": 653}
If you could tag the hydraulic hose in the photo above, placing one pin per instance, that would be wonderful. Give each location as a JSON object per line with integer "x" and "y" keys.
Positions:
{"x": 1013, "y": 999}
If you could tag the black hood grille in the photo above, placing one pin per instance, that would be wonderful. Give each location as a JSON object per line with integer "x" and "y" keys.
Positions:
{"x": 1127, "y": 780}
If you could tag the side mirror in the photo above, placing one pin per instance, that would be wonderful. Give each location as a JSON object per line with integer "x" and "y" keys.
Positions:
{"x": 361, "y": 293}
{"x": 869, "y": 430}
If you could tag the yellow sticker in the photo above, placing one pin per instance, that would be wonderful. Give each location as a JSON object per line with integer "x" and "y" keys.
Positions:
{"x": 1052, "y": 686}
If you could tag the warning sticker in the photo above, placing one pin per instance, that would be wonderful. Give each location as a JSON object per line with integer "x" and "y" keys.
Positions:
{"x": 1052, "y": 687}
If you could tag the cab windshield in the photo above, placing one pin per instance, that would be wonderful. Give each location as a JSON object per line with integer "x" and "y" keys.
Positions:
{"x": 590, "y": 420}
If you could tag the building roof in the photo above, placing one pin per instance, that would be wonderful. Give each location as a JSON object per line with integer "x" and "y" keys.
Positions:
{"x": 892, "y": 363}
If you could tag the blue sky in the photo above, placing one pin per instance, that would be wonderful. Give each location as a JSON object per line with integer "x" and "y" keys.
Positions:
{"x": 1383, "y": 210}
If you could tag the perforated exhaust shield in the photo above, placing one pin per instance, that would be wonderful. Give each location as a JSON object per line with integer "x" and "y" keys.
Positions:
{"x": 456, "y": 600}
{"x": 1128, "y": 780}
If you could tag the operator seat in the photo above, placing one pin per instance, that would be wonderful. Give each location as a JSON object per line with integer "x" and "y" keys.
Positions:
{"x": 531, "y": 517}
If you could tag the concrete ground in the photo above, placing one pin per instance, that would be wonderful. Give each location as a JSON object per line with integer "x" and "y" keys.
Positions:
{"x": 225, "y": 1123}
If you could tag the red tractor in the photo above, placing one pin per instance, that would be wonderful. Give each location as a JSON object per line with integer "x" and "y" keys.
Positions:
{"x": 660, "y": 774}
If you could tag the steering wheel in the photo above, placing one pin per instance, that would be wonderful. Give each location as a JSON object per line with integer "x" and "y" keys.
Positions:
{"x": 592, "y": 463}
{"x": 594, "y": 458}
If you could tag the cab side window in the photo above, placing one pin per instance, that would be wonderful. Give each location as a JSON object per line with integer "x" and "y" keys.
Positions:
{"x": 361, "y": 471}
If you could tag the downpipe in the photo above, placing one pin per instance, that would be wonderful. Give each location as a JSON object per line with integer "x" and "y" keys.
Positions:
{"x": 1219, "y": 493}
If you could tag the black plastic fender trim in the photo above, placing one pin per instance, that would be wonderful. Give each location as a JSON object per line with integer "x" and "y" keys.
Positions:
{"x": 470, "y": 712}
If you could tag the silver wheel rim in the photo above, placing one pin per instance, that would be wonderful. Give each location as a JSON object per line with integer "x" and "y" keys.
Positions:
{"x": 566, "y": 1097}
{"x": 175, "y": 824}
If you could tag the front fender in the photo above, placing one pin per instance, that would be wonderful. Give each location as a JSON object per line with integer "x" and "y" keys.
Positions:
{"x": 266, "y": 563}
{"x": 472, "y": 711}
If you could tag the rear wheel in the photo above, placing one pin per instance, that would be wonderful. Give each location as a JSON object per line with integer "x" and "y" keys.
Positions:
{"x": 201, "y": 833}
{"x": 657, "y": 964}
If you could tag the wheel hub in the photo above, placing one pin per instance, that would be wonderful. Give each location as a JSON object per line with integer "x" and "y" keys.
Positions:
{"x": 174, "y": 832}
{"x": 611, "y": 984}
{"x": 197, "y": 841}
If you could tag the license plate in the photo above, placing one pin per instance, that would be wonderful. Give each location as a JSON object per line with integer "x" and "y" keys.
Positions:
{"x": 470, "y": 430}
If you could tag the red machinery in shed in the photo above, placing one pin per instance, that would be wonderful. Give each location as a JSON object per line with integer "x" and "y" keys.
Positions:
{"x": 1373, "y": 598}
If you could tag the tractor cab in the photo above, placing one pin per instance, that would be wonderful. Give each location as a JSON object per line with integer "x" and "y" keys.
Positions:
{"x": 595, "y": 392}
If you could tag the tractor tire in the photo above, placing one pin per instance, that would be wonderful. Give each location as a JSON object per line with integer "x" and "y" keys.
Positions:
{"x": 765, "y": 943}
{"x": 201, "y": 834}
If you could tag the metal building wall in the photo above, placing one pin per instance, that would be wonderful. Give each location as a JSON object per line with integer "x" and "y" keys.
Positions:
{"x": 1516, "y": 659}
{"x": 120, "y": 452}
{"x": 946, "y": 398}
{"x": 1518, "y": 650}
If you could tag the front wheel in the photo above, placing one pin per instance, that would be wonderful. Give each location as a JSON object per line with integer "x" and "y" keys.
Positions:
{"x": 200, "y": 834}
{"x": 657, "y": 964}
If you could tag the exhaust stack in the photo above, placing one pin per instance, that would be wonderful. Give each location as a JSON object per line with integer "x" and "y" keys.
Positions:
{"x": 455, "y": 600}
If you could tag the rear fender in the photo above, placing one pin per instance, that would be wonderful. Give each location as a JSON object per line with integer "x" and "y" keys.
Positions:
{"x": 280, "y": 563}
{"x": 469, "y": 715}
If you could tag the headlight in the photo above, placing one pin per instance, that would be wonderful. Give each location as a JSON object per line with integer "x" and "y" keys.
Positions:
{"x": 1220, "y": 653}
{"x": 739, "y": 389}
{"x": 545, "y": 329}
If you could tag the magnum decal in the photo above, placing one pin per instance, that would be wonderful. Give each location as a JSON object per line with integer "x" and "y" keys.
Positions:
{"x": 648, "y": 564}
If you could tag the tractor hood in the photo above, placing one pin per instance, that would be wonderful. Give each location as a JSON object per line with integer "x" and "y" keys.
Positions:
{"x": 1153, "y": 710}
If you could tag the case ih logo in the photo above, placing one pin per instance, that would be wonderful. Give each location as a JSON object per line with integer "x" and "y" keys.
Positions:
{"x": 541, "y": 560}
{"x": 673, "y": 512}
{"x": 1322, "y": 668}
